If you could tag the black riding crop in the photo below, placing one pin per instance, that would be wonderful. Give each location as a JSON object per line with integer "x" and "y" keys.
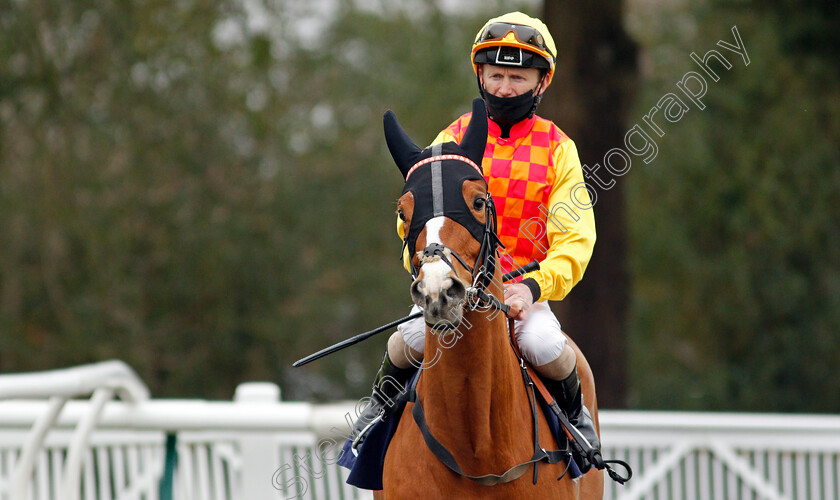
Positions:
{"x": 527, "y": 268}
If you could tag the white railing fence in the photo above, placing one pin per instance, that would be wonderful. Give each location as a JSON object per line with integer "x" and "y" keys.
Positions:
{"x": 698, "y": 456}
{"x": 55, "y": 447}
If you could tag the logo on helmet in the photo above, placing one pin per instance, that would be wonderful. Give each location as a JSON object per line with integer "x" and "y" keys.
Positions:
{"x": 509, "y": 55}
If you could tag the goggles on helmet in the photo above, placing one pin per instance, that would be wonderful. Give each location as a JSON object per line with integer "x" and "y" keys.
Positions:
{"x": 510, "y": 56}
{"x": 525, "y": 34}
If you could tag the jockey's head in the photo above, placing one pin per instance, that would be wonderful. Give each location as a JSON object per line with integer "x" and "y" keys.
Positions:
{"x": 513, "y": 57}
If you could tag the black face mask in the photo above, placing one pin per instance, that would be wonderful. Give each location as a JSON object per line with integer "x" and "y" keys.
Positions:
{"x": 511, "y": 110}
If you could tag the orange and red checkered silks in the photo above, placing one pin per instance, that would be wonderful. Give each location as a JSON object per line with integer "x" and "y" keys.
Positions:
{"x": 520, "y": 174}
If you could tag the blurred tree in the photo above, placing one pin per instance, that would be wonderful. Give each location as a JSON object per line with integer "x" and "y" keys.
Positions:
{"x": 736, "y": 257}
{"x": 137, "y": 224}
{"x": 590, "y": 99}
{"x": 202, "y": 189}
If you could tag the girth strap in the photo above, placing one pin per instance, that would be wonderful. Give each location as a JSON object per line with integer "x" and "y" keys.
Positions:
{"x": 444, "y": 455}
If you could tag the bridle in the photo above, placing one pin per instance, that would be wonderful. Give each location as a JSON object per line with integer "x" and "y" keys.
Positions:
{"x": 431, "y": 200}
{"x": 483, "y": 271}
{"x": 482, "y": 274}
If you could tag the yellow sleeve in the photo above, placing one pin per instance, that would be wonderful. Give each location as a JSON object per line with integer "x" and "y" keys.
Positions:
{"x": 444, "y": 136}
{"x": 401, "y": 234}
{"x": 570, "y": 227}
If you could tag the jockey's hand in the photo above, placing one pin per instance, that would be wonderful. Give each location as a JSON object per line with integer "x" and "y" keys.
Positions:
{"x": 519, "y": 298}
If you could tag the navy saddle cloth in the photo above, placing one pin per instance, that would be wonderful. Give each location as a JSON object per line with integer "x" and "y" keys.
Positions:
{"x": 366, "y": 469}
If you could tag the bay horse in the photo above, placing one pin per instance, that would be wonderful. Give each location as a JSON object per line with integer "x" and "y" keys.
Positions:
{"x": 474, "y": 399}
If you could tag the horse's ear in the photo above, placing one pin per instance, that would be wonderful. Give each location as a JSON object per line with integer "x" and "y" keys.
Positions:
{"x": 475, "y": 138}
{"x": 403, "y": 149}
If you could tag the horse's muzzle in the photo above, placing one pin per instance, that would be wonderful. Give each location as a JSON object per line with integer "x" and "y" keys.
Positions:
{"x": 441, "y": 297}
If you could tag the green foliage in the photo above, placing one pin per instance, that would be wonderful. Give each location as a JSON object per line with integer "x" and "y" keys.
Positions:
{"x": 202, "y": 189}
{"x": 735, "y": 249}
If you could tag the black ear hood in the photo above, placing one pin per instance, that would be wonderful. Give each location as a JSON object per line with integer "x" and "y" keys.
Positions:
{"x": 436, "y": 174}
{"x": 475, "y": 138}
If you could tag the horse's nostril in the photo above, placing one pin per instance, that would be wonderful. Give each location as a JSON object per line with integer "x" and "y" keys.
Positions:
{"x": 456, "y": 291}
{"x": 417, "y": 295}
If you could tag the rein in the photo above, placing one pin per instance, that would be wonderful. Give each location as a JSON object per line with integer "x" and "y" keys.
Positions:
{"x": 532, "y": 384}
{"x": 539, "y": 455}
{"x": 482, "y": 275}
{"x": 575, "y": 438}
{"x": 485, "y": 263}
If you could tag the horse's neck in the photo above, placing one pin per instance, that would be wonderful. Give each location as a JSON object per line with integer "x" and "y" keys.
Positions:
{"x": 473, "y": 355}
{"x": 475, "y": 384}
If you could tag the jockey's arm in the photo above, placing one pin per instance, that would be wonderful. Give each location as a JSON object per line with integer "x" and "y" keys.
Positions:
{"x": 570, "y": 229}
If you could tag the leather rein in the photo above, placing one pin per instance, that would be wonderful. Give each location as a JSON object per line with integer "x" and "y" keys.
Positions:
{"x": 482, "y": 275}
{"x": 539, "y": 455}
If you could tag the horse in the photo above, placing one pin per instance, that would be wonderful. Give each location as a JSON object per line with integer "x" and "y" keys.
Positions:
{"x": 475, "y": 402}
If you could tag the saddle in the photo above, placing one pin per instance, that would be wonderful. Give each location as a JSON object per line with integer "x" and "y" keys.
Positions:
{"x": 366, "y": 468}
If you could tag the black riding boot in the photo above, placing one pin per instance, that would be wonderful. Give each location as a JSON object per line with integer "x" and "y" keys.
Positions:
{"x": 569, "y": 398}
{"x": 388, "y": 386}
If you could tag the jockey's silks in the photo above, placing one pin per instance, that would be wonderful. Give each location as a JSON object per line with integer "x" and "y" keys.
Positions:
{"x": 520, "y": 181}
{"x": 543, "y": 206}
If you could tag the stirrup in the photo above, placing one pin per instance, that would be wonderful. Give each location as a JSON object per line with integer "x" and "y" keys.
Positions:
{"x": 588, "y": 449}
{"x": 360, "y": 439}
{"x": 388, "y": 386}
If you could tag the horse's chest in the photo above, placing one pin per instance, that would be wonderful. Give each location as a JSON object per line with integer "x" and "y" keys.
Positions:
{"x": 412, "y": 471}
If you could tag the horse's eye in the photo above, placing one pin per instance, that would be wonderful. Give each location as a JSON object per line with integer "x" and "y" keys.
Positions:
{"x": 401, "y": 215}
{"x": 478, "y": 204}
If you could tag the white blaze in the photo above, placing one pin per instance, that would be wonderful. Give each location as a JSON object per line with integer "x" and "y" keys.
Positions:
{"x": 435, "y": 272}
{"x": 433, "y": 227}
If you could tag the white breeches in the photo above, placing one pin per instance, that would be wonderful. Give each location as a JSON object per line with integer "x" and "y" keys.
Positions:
{"x": 539, "y": 337}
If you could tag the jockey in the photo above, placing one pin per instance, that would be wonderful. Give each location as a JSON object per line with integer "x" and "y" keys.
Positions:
{"x": 544, "y": 213}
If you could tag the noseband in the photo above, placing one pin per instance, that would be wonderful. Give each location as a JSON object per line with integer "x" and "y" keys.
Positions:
{"x": 483, "y": 270}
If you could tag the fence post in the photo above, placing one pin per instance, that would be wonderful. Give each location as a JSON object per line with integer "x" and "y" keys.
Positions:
{"x": 166, "y": 488}
{"x": 259, "y": 451}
